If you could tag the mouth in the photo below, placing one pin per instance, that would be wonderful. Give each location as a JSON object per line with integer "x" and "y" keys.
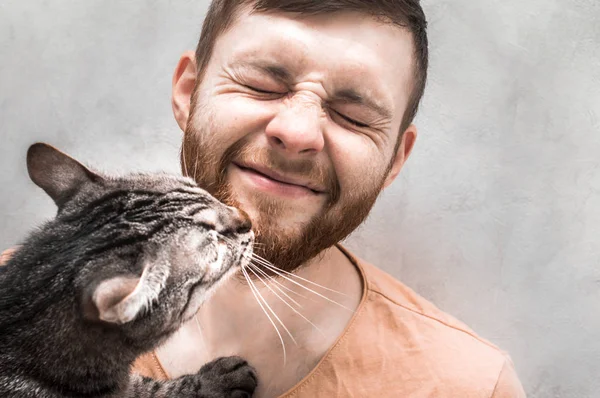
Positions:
{"x": 246, "y": 256}
{"x": 272, "y": 181}
{"x": 221, "y": 252}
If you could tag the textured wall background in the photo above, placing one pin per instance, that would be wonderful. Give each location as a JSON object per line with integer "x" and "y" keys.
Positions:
{"x": 496, "y": 217}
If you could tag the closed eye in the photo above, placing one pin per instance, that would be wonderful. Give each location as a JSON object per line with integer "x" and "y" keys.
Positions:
{"x": 350, "y": 120}
{"x": 260, "y": 91}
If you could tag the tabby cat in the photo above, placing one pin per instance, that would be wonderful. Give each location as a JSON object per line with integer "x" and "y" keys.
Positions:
{"x": 114, "y": 274}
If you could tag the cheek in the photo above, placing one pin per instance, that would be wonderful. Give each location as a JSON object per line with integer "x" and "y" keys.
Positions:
{"x": 228, "y": 115}
{"x": 359, "y": 164}
{"x": 237, "y": 115}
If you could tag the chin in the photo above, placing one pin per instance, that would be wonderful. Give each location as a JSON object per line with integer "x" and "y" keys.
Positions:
{"x": 285, "y": 219}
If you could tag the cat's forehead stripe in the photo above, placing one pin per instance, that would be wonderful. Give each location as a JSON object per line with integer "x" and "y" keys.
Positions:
{"x": 119, "y": 195}
{"x": 195, "y": 194}
{"x": 192, "y": 189}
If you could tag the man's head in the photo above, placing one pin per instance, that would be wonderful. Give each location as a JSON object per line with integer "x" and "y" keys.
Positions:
{"x": 300, "y": 113}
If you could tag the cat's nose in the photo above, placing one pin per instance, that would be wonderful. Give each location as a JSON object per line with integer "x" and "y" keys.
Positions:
{"x": 237, "y": 221}
{"x": 244, "y": 223}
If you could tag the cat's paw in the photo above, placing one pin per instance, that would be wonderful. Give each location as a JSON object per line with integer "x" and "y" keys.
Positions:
{"x": 228, "y": 377}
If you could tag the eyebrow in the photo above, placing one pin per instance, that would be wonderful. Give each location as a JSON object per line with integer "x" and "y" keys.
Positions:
{"x": 350, "y": 95}
{"x": 347, "y": 95}
{"x": 277, "y": 72}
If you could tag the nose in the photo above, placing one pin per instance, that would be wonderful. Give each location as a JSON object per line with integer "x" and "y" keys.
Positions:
{"x": 296, "y": 129}
{"x": 239, "y": 221}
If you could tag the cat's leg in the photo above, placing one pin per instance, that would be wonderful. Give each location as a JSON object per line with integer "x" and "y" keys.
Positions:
{"x": 228, "y": 377}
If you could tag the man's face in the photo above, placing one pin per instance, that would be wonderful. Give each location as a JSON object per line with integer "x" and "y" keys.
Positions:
{"x": 296, "y": 121}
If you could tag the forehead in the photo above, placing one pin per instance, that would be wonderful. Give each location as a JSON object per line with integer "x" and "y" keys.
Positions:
{"x": 339, "y": 50}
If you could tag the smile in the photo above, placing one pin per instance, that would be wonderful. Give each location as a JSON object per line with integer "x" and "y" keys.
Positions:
{"x": 274, "y": 183}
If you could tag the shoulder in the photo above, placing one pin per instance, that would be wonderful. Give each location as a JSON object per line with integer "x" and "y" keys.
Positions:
{"x": 508, "y": 384}
{"x": 437, "y": 344}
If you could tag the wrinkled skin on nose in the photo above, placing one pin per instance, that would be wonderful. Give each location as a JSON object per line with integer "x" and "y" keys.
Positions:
{"x": 297, "y": 127}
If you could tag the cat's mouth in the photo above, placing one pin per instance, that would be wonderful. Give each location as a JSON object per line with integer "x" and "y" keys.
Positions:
{"x": 217, "y": 265}
{"x": 220, "y": 270}
{"x": 246, "y": 257}
{"x": 230, "y": 256}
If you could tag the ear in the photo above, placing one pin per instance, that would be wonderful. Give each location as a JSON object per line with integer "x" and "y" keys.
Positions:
{"x": 407, "y": 142}
{"x": 114, "y": 300}
{"x": 122, "y": 298}
{"x": 56, "y": 173}
{"x": 184, "y": 81}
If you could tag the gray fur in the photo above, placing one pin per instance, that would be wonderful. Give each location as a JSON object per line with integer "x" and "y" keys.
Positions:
{"x": 123, "y": 264}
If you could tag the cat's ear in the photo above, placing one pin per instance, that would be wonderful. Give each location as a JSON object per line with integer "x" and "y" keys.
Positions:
{"x": 115, "y": 300}
{"x": 58, "y": 174}
{"x": 120, "y": 299}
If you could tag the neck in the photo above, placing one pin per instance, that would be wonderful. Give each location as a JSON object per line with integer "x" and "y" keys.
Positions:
{"x": 233, "y": 322}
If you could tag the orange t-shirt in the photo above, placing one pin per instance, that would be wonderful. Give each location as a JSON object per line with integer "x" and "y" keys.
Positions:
{"x": 398, "y": 345}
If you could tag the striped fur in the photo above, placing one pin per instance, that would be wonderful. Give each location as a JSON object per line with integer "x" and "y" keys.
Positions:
{"x": 122, "y": 265}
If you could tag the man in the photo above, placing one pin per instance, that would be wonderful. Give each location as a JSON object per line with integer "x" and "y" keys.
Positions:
{"x": 300, "y": 113}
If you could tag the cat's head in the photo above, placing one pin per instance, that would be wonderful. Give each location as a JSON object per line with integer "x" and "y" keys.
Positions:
{"x": 142, "y": 245}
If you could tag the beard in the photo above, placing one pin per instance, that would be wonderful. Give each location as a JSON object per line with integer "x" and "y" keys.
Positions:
{"x": 203, "y": 159}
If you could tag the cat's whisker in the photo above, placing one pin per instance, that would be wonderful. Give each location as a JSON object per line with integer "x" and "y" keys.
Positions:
{"x": 275, "y": 315}
{"x": 285, "y": 302}
{"x": 267, "y": 282}
{"x": 258, "y": 261}
{"x": 273, "y": 280}
{"x": 256, "y": 296}
{"x": 256, "y": 290}
{"x": 271, "y": 266}
{"x": 200, "y": 332}
{"x": 310, "y": 290}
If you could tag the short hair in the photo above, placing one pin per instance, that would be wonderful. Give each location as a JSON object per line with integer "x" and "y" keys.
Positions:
{"x": 406, "y": 14}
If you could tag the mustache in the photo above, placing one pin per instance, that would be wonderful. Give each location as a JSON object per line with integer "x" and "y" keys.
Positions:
{"x": 317, "y": 171}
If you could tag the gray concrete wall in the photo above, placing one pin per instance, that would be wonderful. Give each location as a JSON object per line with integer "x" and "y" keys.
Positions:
{"x": 496, "y": 218}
